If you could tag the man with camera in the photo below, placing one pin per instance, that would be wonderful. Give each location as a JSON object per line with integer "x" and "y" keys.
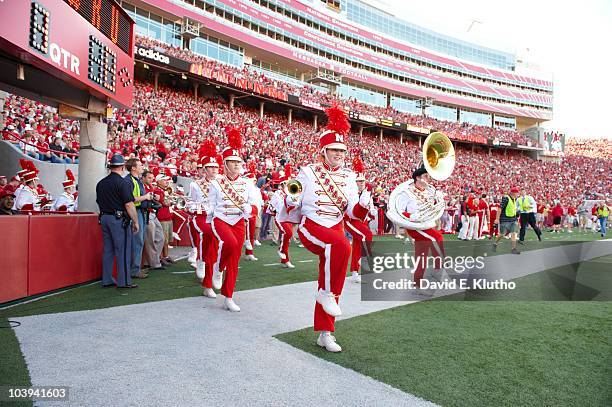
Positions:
{"x": 117, "y": 213}
{"x": 154, "y": 234}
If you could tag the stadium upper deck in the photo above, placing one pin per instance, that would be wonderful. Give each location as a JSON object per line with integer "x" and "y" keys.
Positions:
{"x": 361, "y": 51}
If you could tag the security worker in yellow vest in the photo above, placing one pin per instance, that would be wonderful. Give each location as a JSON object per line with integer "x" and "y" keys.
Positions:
{"x": 526, "y": 206}
{"x": 506, "y": 219}
{"x": 602, "y": 216}
{"x": 141, "y": 201}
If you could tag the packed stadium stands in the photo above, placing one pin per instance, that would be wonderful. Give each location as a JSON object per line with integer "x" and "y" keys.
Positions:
{"x": 166, "y": 127}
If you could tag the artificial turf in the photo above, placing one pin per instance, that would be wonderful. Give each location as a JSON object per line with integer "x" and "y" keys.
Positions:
{"x": 485, "y": 353}
{"x": 176, "y": 283}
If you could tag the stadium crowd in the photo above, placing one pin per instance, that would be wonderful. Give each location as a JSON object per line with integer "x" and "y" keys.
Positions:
{"x": 455, "y": 130}
{"x": 589, "y": 147}
{"x": 166, "y": 127}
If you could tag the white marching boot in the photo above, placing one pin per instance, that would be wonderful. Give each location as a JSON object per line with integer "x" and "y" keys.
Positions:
{"x": 328, "y": 302}
{"x": 256, "y": 242}
{"x": 281, "y": 255}
{"x": 248, "y": 245}
{"x": 200, "y": 269}
{"x": 328, "y": 341}
{"x": 355, "y": 277}
{"x": 209, "y": 292}
{"x": 230, "y": 305}
{"x": 288, "y": 265}
{"x": 193, "y": 255}
{"x": 217, "y": 280}
{"x": 250, "y": 257}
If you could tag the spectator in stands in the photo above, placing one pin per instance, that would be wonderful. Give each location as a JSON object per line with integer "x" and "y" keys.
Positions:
{"x": 7, "y": 200}
{"x": 3, "y": 182}
{"x": 58, "y": 152}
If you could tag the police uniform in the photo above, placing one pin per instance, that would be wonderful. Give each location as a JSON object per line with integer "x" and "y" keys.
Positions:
{"x": 112, "y": 193}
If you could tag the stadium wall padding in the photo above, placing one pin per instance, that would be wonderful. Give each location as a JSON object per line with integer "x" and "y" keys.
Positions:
{"x": 48, "y": 252}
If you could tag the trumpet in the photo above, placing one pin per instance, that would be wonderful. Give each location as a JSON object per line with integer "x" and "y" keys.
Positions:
{"x": 293, "y": 188}
{"x": 179, "y": 201}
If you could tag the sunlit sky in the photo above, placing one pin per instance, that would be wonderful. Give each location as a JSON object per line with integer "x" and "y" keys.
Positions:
{"x": 569, "y": 39}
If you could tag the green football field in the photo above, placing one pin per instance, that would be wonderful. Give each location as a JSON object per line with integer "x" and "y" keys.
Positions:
{"x": 448, "y": 352}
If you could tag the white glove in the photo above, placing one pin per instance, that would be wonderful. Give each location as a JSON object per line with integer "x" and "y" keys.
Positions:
{"x": 364, "y": 199}
{"x": 246, "y": 208}
{"x": 293, "y": 200}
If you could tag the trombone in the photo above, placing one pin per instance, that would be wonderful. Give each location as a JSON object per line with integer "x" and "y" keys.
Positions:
{"x": 293, "y": 188}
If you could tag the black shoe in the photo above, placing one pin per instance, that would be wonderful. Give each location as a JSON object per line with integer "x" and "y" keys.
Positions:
{"x": 158, "y": 268}
{"x": 128, "y": 286}
{"x": 521, "y": 242}
{"x": 108, "y": 285}
{"x": 515, "y": 251}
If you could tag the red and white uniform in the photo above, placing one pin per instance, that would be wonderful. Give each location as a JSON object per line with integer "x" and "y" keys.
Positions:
{"x": 426, "y": 239}
{"x": 231, "y": 202}
{"x": 252, "y": 220}
{"x": 286, "y": 216}
{"x": 483, "y": 213}
{"x": 27, "y": 199}
{"x": 321, "y": 229}
{"x": 203, "y": 237}
{"x": 361, "y": 235}
{"x": 474, "y": 225}
{"x": 65, "y": 202}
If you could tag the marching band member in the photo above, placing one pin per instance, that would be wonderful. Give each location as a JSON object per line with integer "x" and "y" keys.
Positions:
{"x": 474, "y": 226}
{"x": 66, "y": 202}
{"x": 231, "y": 200}
{"x": 28, "y": 199}
{"x": 251, "y": 222}
{"x": 411, "y": 199}
{"x": 329, "y": 192}
{"x": 493, "y": 209}
{"x": 359, "y": 229}
{"x": 483, "y": 216}
{"x": 417, "y": 205}
{"x": 206, "y": 242}
{"x": 286, "y": 218}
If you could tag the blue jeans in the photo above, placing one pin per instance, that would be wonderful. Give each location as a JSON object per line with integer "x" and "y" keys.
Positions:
{"x": 138, "y": 244}
{"x": 602, "y": 226}
{"x": 265, "y": 225}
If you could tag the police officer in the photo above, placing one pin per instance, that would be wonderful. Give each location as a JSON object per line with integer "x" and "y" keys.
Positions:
{"x": 117, "y": 211}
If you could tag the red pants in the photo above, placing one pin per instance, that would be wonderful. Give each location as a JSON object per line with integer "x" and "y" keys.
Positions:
{"x": 361, "y": 234}
{"x": 424, "y": 240}
{"x": 480, "y": 225}
{"x": 285, "y": 230}
{"x": 207, "y": 245}
{"x": 231, "y": 239}
{"x": 181, "y": 218}
{"x": 333, "y": 249}
{"x": 251, "y": 231}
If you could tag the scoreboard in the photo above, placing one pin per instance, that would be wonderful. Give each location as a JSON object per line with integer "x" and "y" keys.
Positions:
{"x": 87, "y": 43}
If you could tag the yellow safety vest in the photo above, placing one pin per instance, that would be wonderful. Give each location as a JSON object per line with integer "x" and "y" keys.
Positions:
{"x": 603, "y": 212}
{"x": 510, "y": 208}
{"x": 136, "y": 190}
{"x": 523, "y": 204}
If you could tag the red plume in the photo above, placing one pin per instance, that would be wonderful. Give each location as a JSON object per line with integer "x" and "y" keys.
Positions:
{"x": 207, "y": 149}
{"x": 69, "y": 175}
{"x": 234, "y": 138}
{"x": 31, "y": 167}
{"x": 287, "y": 170}
{"x": 168, "y": 172}
{"x": 252, "y": 167}
{"x": 337, "y": 120}
{"x": 358, "y": 165}
{"x": 24, "y": 163}
{"x": 155, "y": 171}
